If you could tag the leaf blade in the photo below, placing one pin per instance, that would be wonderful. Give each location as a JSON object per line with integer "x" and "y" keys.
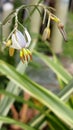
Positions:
{"x": 48, "y": 99}
{"x": 58, "y": 69}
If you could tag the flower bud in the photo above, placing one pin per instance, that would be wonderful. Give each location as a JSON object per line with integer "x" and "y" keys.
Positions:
{"x": 46, "y": 34}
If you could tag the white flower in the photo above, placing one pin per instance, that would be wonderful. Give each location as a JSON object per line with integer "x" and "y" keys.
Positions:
{"x": 20, "y": 41}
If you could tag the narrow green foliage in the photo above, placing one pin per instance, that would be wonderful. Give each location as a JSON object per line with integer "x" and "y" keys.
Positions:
{"x": 58, "y": 69}
{"x": 47, "y": 98}
{"x": 11, "y": 121}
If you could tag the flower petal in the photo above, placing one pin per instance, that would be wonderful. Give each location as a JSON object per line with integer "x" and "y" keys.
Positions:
{"x": 28, "y": 38}
{"x": 15, "y": 43}
{"x": 21, "y": 39}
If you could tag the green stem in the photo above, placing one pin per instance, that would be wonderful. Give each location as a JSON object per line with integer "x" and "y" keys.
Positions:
{"x": 21, "y": 25}
{"x": 11, "y": 34}
{"x": 44, "y": 16}
{"x": 1, "y": 33}
{"x": 48, "y": 24}
{"x": 27, "y": 6}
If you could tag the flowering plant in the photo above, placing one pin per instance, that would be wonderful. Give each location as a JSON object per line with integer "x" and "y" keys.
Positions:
{"x": 51, "y": 109}
{"x": 19, "y": 41}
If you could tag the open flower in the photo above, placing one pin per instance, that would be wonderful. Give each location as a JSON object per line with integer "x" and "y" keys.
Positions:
{"x": 20, "y": 42}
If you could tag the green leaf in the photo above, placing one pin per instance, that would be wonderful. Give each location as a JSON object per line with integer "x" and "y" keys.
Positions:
{"x": 56, "y": 123}
{"x": 50, "y": 100}
{"x": 8, "y": 17}
{"x": 11, "y": 121}
{"x": 64, "y": 96}
{"x": 11, "y": 87}
{"x": 67, "y": 91}
{"x": 57, "y": 68}
{"x": 20, "y": 99}
{"x": 38, "y": 119}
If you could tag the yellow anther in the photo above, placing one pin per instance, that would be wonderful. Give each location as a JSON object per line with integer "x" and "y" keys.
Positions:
{"x": 11, "y": 51}
{"x": 8, "y": 43}
{"x": 25, "y": 52}
{"x": 57, "y": 20}
{"x": 21, "y": 53}
{"x": 29, "y": 53}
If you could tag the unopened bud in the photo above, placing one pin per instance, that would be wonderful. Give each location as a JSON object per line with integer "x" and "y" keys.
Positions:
{"x": 46, "y": 34}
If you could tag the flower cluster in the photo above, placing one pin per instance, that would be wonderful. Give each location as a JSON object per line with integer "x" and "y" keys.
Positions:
{"x": 16, "y": 39}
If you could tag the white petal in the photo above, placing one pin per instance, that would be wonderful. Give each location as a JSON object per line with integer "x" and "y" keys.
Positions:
{"x": 20, "y": 39}
{"x": 15, "y": 44}
{"x": 28, "y": 38}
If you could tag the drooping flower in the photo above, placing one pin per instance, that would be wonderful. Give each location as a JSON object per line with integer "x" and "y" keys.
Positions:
{"x": 46, "y": 32}
{"x": 54, "y": 18}
{"x": 60, "y": 26}
{"x": 62, "y": 30}
{"x": 20, "y": 42}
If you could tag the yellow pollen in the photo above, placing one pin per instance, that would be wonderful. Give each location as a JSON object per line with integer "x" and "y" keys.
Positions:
{"x": 8, "y": 43}
{"x": 21, "y": 53}
{"x": 55, "y": 19}
{"x": 11, "y": 51}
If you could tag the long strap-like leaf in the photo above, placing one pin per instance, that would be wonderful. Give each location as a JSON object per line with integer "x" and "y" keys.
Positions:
{"x": 48, "y": 99}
